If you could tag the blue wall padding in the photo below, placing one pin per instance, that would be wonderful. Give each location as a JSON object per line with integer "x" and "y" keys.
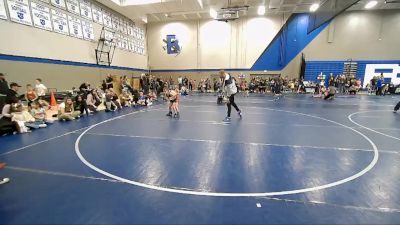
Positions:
{"x": 290, "y": 41}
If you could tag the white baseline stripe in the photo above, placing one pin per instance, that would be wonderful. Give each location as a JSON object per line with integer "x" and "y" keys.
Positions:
{"x": 60, "y": 174}
{"x": 40, "y": 142}
{"x": 334, "y": 103}
{"x": 62, "y": 135}
{"x": 386, "y": 210}
{"x": 244, "y": 143}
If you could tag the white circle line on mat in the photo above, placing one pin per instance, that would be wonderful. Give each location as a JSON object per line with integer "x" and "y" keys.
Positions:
{"x": 350, "y": 117}
{"x": 233, "y": 194}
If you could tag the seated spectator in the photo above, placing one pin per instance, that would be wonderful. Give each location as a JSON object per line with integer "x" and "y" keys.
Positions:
{"x": 115, "y": 99}
{"x": 24, "y": 118}
{"x": 110, "y": 105}
{"x": 39, "y": 113}
{"x": 7, "y": 125}
{"x": 126, "y": 99}
{"x": 66, "y": 110}
{"x": 98, "y": 95}
{"x": 80, "y": 104}
{"x": 152, "y": 96}
{"x": 92, "y": 101}
{"x": 30, "y": 95}
{"x": 184, "y": 91}
{"x": 84, "y": 88}
{"x": 142, "y": 99}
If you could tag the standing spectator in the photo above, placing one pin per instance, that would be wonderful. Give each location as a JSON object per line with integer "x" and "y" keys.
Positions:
{"x": 190, "y": 85}
{"x": 144, "y": 83}
{"x": 13, "y": 91}
{"x": 180, "y": 80}
{"x": 4, "y": 180}
{"x": 109, "y": 81}
{"x": 104, "y": 85}
{"x": 185, "y": 81}
{"x": 30, "y": 95}
{"x": 379, "y": 86}
{"x": 3, "y": 90}
{"x": 41, "y": 90}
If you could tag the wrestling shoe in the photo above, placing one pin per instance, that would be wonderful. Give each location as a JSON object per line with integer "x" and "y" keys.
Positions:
{"x": 4, "y": 180}
{"x": 227, "y": 120}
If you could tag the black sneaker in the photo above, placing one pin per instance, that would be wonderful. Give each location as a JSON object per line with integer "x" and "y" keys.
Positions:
{"x": 169, "y": 114}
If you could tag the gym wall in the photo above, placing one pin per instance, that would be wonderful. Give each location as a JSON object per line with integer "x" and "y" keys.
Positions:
{"x": 58, "y": 76}
{"x": 352, "y": 35}
{"x": 30, "y": 42}
{"x": 366, "y": 37}
{"x": 209, "y": 44}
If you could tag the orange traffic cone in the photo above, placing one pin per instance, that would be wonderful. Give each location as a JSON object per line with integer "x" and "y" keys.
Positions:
{"x": 53, "y": 102}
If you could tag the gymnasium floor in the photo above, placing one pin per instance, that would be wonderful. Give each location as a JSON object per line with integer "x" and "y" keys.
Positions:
{"x": 293, "y": 160}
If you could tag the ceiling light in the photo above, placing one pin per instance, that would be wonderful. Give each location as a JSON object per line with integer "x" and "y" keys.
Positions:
{"x": 314, "y": 7}
{"x": 261, "y": 10}
{"x": 371, "y": 4}
{"x": 140, "y": 2}
{"x": 144, "y": 19}
{"x": 213, "y": 13}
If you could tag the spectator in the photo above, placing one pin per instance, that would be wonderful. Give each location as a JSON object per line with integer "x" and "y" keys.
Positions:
{"x": 39, "y": 113}
{"x": 3, "y": 90}
{"x": 30, "y": 95}
{"x": 104, "y": 85}
{"x": 80, "y": 104}
{"x": 142, "y": 99}
{"x": 126, "y": 99}
{"x": 66, "y": 110}
{"x": 115, "y": 99}
{"x": 41, "y": 90}
{"x": 109, "y": 81}
{"x": 24, "y": 118}
{"x": 112, "y": 101}
{"x": 7, "y": 125}
{"x": 92, "y": 101}
{"x": 379, "y": 86}
{"x": 84, "y": 88}
{"x": 13, "y": 91}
